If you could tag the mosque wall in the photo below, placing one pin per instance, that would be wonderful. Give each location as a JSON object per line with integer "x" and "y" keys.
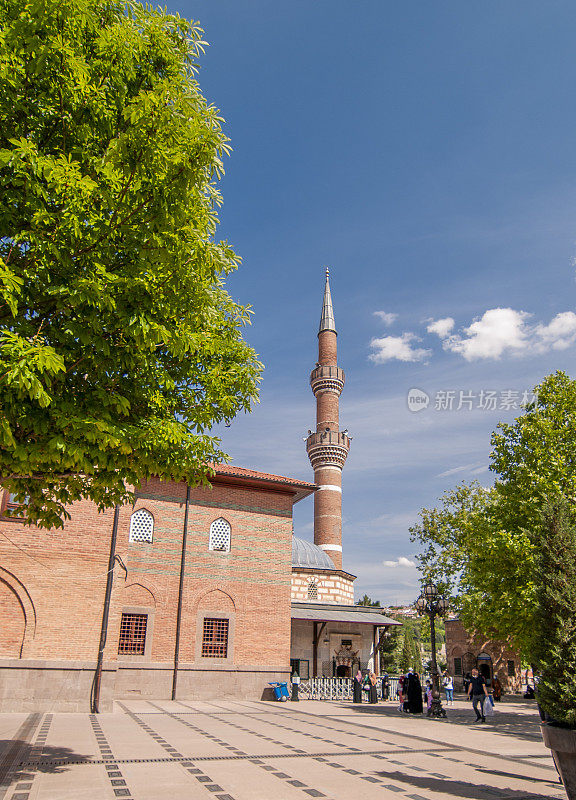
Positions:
{"x": 340, "y": 644}
{"x": 323, "y": 587}
{"x": 235, "y": 626}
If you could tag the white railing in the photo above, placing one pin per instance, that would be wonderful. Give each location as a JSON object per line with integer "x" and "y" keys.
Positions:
{"x": 339, "y": 689}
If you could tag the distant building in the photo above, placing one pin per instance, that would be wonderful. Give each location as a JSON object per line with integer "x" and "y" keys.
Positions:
{"x": 492, "y": 659}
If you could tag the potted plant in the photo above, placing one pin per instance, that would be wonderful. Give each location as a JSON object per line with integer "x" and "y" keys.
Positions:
{"x": 554, "y": 642}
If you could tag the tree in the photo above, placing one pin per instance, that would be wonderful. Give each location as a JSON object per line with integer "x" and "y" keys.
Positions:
{"x": 119, "y": 346}
{"x": 367, "y": 601}
{"x": 554, "y": 644}
{"x": 388, "y": 648}
{"x": 407, "y": 653}
{"x": 483, "y": 545}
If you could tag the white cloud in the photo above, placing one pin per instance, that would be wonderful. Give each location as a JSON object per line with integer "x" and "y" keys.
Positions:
{"x": 386, "y": 317}
{"x": 559, "y": 334}
{"x": 397, "y": 347}
{"x": 498, "y": 331}
{"x": 441, "y": 327}
{"x": 401, "y": 562}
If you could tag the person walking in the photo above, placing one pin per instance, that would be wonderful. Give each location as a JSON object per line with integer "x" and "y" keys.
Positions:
{"x": 373, "y": 694}
{"x": 448, "y": 683}
{"x": 477, "y": 691}
{"x": 357, "y": 687}
{"x": 385, "y": 686}
{"x": 497, "y": 686}
{"x": 415, "y": 704}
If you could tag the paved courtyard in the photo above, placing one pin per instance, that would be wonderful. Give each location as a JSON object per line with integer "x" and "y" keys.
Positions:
{"x": 270, "y": 751}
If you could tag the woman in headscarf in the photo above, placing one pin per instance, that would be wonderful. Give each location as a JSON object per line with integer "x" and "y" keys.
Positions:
{"x": 357, "y": 687}
{"x": 373, "y": 695}
{"x": 415, "y": 704}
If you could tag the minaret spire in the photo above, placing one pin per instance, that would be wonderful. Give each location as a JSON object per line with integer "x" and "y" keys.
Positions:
{"x": 328, "y": 447}
{"x": 327, "y": 322}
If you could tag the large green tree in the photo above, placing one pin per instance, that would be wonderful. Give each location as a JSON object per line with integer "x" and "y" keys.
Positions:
{"x": 119, "y": 346}
{"x": 483, "y": 544}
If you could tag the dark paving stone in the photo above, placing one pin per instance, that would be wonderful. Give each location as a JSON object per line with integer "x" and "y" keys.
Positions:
{"x": 369, "y": 778}
{"x": 203, "y": 778}
{"x": 280, "y": 775}
{"x": 296, "y": 783}
{"x": 313, "y": 793}
{"x": 23, "y": 786}
{"x": 21, "y": 796}
{"x": 352, "y": 771}
{"x": 118, "y": 782}
{"x": 195, "y": 771}
{"x": 392, "y": 788}
{"x": 224, "y": 797}
{"x": 122, "y": 792}
{"x": 114, "y": 774}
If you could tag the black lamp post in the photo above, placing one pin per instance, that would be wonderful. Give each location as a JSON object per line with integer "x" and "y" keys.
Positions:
{"x": 433, "y": 605}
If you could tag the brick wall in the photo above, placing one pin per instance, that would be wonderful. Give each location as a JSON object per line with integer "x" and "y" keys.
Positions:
{"x": 461, "y": 645}
{"x": 57, "y": 579}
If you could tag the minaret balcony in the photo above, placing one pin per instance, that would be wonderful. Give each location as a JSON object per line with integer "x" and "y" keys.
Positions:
{"x": 327, "y": 379}
{"x": 327, "y": 448}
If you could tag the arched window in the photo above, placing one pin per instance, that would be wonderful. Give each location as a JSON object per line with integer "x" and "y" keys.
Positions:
{"x": 220, "y": 536}
{"x": 312, "y": 590}
{"x": 142, "y": 526}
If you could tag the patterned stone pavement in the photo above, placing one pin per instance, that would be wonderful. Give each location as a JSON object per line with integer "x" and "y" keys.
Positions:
{"x": 232, "y": 750}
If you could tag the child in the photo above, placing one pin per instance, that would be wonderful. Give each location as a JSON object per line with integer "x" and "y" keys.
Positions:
{"x": 428, "y": 696}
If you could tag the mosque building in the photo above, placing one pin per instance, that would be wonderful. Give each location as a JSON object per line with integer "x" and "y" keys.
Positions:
{"x": 191, "y": 592}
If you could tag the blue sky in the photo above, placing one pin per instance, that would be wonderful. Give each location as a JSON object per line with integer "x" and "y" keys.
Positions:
{"x": 426, "y": 153}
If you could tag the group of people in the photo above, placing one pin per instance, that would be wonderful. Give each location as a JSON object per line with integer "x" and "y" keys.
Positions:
{"x": 365, "y": 683}
{"x": 412, "y": 695}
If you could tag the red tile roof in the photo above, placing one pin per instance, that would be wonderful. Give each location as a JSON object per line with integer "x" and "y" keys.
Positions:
{"x": 240, "y": 472}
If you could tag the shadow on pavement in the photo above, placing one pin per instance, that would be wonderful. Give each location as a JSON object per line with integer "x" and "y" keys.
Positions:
{"x": 458, "y": 788}
{"x": 53, "y": 759}
{"x": 506, "y": 722}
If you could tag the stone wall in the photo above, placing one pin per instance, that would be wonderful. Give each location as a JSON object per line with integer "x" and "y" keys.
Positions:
{"x": 331, "y": 587}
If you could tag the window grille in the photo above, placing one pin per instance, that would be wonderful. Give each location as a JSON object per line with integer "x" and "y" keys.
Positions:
{"x": 511, "y": 669}
{"x": 312, "y": 590}
{"x": 141, "y": 526}
{"x": 457, "y": 666}
{"x": 220, "y": 535}
{"x": 215, "y": 638}
{"x": 132, "y": 634}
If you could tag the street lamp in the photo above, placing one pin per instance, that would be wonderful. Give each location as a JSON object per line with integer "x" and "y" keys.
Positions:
{"x": 433, "y": 605}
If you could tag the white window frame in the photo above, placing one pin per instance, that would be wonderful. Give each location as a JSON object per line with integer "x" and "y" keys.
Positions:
{"x": 141, "y": 512}
{"x": 215, "y": 532}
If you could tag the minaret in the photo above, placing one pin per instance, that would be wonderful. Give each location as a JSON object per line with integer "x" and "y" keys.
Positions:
{"x": 328, "y": 447}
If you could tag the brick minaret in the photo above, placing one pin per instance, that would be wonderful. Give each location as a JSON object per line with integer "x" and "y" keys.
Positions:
{"x": 328, "y": 447}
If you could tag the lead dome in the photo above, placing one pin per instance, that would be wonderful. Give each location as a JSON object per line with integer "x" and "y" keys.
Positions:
{"x": 306, "y": 554}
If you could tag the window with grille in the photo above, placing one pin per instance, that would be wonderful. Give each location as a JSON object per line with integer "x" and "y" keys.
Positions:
{"x": 457, "y": 666}
{"x": 220, "y": 536}
{"x": 312, "y": 590}
{"x": 132, "y": 634}
{"x": 10, "y": 504}
{"x": 215, "y": 638}
{"x": 142, "y": 526}
{"x": 511, "y": 669}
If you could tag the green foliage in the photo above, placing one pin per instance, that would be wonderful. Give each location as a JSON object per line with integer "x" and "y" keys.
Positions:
{"x": 554, "y": 645}
{"x": 406, "y": 654}
{"x": 389, "y": 645}
{"x": 119, "y": 346}
{"x": 367, "y": 601}
{"x": 482, "y": 545}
